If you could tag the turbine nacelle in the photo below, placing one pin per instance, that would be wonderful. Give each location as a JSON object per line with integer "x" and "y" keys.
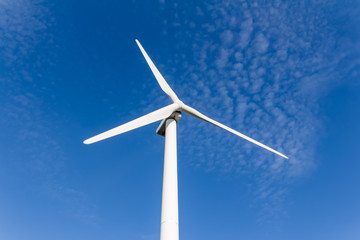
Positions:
{"x": 161, "y": 129}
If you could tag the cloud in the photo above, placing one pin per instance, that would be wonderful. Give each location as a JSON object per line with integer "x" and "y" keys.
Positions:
{"x": 245, "y": 33}
{"x": 24, "y": 122}
{"x": 21, "y": 23}
{"x": 261, "y": 44}
{"x": 226, "y": 37}
{"x": 260, "y": 69}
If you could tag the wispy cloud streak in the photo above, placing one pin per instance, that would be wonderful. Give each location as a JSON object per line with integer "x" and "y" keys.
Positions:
{"x": 24, "y": 122}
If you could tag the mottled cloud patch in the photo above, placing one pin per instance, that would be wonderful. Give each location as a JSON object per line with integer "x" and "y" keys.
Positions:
{"x": 261, "y": 44}
{"x": 245, "y": 33}
{"x": 259, "y": 68}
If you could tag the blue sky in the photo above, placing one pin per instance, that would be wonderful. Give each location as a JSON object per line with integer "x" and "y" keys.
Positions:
{"x": 284, "y": 73}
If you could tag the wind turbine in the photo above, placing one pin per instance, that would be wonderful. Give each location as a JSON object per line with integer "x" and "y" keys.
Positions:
{"x": 169, "y": 115}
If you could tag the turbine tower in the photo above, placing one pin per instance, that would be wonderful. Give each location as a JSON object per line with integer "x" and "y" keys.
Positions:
{"x": 169, "y": 115}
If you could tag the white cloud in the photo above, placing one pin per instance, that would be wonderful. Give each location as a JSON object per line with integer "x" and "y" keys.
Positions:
{"x": 263, "y": 77}
{"x": 23, "y": 26}
{"x": 245, "y": 33}
{"x": 226, "y": 37}
{"x": 261, "y": 44}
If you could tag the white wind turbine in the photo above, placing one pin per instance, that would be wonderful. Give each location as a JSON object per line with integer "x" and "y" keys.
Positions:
{"x": 169, "y": 115}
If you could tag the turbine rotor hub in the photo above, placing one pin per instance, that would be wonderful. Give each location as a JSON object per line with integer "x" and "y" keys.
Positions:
{"x": 180, "y": 105}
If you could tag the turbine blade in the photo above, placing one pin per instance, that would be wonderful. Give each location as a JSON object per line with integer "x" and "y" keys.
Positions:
{"x": 163, "y": 84}
{"x": 139, "y": 122}
{"x": 195, "y": 113}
